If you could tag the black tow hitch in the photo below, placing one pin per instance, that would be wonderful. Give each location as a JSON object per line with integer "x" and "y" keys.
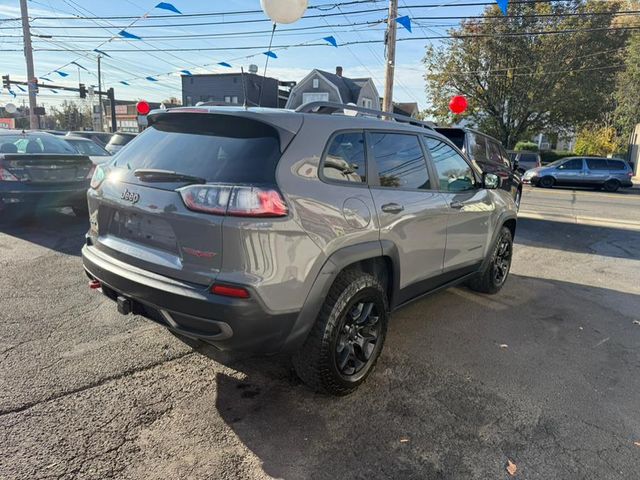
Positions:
{"x": 124, "y": 305}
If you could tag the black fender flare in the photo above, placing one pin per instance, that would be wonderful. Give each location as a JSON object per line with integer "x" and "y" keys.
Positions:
{"x": 335, "y": 263}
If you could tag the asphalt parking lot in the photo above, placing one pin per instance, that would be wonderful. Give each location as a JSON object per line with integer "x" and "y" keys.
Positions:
{"x": 544, "y": 374}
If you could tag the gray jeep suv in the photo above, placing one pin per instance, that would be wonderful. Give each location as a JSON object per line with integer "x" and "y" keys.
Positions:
{"x": 267, "y": 230}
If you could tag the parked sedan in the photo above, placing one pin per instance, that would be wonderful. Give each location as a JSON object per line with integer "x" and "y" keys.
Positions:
{"x": 101, "y": 138}
{"x": 598, "y": 172}
{"x": 118, "y": 141}
{"x": 85, "y": 146}
{"x": 40, "y": 170}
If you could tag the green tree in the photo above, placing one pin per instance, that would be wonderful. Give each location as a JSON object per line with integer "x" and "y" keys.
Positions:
{"x": 520, "y": 84}
{"x": 72, "y": 116}
{"x": 600, "y": 140}
{"x": 627, "y": 95}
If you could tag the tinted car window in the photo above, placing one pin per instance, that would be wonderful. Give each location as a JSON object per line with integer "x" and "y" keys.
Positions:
{"x": 597, "y": 164}
{"x": 454, "y": 173}
{"x": 616, "y": 165}
{"x": 120, "y": 139}
{"x": 573, "y": 164}
{"x": 345, "y": 158}
{"x": 34, "y": 143}
{"x": 215, "y": 147}
{"x": 399, "y": 160}
{"x": 88, "y": 148}
{"x": 528, "y": 158}
{"x": 478, "y": 146}
{"x": 494, "y": 152}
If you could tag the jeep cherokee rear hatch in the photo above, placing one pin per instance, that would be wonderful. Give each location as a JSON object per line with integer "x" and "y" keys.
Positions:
{"x": 162, "y": 201}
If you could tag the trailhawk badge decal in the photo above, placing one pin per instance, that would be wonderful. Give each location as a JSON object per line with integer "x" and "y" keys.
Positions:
{"x": 130, "y": 196}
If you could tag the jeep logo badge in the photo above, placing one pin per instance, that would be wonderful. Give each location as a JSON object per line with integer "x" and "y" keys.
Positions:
{"x": 130, "y": 197}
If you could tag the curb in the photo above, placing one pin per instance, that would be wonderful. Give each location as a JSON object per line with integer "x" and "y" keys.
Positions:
{"x": 581, "y": 220}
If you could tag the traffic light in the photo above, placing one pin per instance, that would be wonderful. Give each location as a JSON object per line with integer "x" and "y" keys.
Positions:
{"x": 6, "y": 82}
{"x": 83, "y": 90}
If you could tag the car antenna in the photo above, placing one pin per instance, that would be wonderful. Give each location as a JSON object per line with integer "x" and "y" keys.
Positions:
{"x": 244, "y": 89}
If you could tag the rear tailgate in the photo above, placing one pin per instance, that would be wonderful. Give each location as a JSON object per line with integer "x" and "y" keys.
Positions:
{"x": 145, "y": 222}
{"x": 47, "y": 168}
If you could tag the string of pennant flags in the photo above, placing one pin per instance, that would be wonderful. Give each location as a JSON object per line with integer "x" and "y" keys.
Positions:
{"x": 404, "y": 21}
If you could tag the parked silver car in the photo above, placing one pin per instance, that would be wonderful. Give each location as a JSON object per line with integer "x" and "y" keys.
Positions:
{"x": 266, "y": 230}
{"x": 598, "y": 172}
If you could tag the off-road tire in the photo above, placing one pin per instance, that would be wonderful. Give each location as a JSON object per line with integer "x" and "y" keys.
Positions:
{"x": 485, "y": 281}
{"x": 315, "y": 361}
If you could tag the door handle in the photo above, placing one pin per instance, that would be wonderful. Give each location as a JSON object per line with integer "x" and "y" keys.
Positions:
{"x": 392, "y": 208}
{"x": 456, "y": 205}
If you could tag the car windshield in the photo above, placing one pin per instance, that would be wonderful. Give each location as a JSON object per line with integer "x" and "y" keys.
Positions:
{"x": 33, "y": 143}
{"x": 557, "y": 162}
{"x": 88, "y": 147}
{"x": 119, "y": 139}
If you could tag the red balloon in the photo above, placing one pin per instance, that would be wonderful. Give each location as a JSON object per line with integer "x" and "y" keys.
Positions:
{"x": 458, "y": 104}
{"x": 143, "y": 107}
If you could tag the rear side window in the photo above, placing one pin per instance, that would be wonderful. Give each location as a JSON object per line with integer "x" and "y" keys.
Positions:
{"x": 478, "y": 146}
{"x": 454, "y": 173}
{"x": 616, "y": 165}
{"x": 219, "y": 148}
{"x": 399, "y": 161}
{"x": 345, "y": 158}
{"x": 597, "y": 164}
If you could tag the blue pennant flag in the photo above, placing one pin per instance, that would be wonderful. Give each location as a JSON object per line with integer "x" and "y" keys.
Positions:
{"x": 79, "y": 66}
{"x": 168, "y": 6}
{"x": 406, "y": 21}
{"x": 20, "y": 88}
{"x": 503, "y": 4}
{"x": 47, "y": 79}
{"x": 125, "y": 34}
{"x": 270, "y": 54}
{"x": 61, "y": 73}
{"x": 186, "y": 72}
{"x": 124, "y": 83}
{"x": 332, "y": 40}
{"x": 54, "y": 91}
{"x": 224, "y": 64}
{"x": 102, "y": 53}
{"x": 151, "y": 79}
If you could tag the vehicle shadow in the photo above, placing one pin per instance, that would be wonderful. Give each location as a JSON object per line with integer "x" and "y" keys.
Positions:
{"x": 447, "y": 401}
{"x": 605, "y": 241}
{"x": 55, "y": 229}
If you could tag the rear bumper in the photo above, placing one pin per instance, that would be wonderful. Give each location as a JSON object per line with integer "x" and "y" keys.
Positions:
{"x": 227, "y": 323}
{"x": 19, "y": 193}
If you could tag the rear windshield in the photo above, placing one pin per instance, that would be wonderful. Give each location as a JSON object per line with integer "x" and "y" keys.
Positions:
{"x": 454, "y": 134}
{"x": 89, "y": 147}
{"x": 219, "y": 148}
{"x": 119, "y": 139}
{"x": 528, "y": 158}
{"x": 35, "y": 144}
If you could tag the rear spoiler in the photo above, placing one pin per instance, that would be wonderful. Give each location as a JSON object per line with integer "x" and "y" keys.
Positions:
{"x": 287, "y": 125}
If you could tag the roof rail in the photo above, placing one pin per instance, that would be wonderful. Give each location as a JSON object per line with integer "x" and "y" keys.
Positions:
{"x": 329, "y": 108}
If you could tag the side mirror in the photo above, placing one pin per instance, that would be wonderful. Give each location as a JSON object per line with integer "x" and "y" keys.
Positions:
{"x": 490, "y": 181}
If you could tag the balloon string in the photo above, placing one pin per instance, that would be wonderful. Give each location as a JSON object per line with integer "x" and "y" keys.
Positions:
{"x": 266, "y": 64}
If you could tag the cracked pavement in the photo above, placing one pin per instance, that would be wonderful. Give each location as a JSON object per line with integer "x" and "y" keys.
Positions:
{"x": 87, "y": 393}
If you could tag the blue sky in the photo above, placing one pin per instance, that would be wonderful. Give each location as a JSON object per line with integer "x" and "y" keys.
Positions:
{"x": 292, "y": 64}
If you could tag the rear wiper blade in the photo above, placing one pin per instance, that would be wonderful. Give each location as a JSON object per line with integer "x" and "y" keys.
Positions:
{"x": 153, "y": 175}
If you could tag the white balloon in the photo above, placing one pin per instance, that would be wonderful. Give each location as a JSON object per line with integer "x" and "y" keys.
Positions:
{"x": 10, "y": 108}
{"x": 284, "y": 11}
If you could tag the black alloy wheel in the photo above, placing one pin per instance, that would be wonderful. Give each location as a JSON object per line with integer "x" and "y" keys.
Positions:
{"x": 358, "y": 338}
{"x": 502, "y": 260}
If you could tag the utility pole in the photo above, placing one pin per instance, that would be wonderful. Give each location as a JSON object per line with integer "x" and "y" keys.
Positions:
{"x": 392, "y": 31}
{"x": 28, "y": 55}
{"x": 100, "y": 95}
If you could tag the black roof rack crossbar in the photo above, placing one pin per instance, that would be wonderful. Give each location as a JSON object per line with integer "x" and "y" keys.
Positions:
{"x": 333, "y": 107}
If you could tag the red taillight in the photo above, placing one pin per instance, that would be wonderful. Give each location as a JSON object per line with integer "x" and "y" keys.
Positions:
{"x": 239, "y": 201}
{"x": 7, "y": 176}
{"x": 230, "y": 291}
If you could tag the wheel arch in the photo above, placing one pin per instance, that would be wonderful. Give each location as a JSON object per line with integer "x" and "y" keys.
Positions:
{"x": 377, "y": 258}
